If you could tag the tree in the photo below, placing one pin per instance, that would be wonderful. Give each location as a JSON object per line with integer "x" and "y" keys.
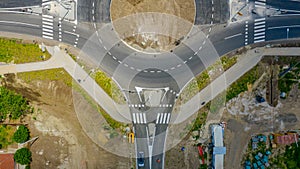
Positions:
{"x": 21, "y": 135}
{"x": 23, "y": 156}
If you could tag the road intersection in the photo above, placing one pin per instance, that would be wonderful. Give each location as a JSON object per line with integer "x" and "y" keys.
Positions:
{"x": 131, "y": 69}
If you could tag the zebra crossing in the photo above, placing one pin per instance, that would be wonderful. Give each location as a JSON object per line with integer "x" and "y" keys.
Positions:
{"x": 259, "y": 30}
{"x": 47, "y": 26}
{"x": 163, "y": 118}
{"x": 260, "y": 4}
{"x": 139, "y": 118}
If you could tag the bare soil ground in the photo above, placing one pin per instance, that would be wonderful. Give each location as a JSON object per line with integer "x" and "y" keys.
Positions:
{"x": 152, "y": 25}
{"x": 62, "y": 142}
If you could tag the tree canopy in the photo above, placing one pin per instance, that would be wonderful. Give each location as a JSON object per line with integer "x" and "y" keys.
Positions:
{"x": 23, "y": 156}
{"x": 21, "y": 135}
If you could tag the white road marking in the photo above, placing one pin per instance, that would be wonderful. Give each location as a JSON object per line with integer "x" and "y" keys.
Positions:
{"x": 259, "y": 30}
{"x": 284, "y": 27}
{"x": 236, "y": 35}
{"x": 258, "y": 27}
{"x": 260, "y": 19}
{"x": 161, "y": 117}
{"x": 141, "y": 117}
{"x": 47, "y": 16}
{"x": 46, "y": 33}
{"x": 48, "y": 23}
{"x": 134, "y": 119}
{"x": 20, "y": 23}
{"x": 137, "y": 118}
{"x": 168, "y": 118}
{"x": 259, "y": 23}
{"x": 157, "y": 117}
{"x": 145, "y": 120}
{"x": 259, "y": 37}
{"x": 261, "y": 33}
{"x": 47, "y": 19}
{"x": 259, "y": 41}
{"x": 47, "y": 37}
{"x": 72, "y": 33}
{"x": 165, "y": 117}
{"x": 47, "y": 30}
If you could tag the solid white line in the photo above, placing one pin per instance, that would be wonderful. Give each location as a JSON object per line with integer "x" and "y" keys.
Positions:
{"x": 165, "y": 117}
{"x": 141, "y": 117}
{"x": 258, "y": 27}
{"x": 20, "y": 23}
{"x": 259, "y": 37}
{"x": 161, "y": 118}
{"x": 259, "y": 23}
{"x": 261, "y": 33}
{"x": 259, "y": 30}
{"x": 48, "y": 23}
{"x": 260, "y": 6}
{"x": 18, "y": 12}
{"x": 48, "y": 20}
{"x": 134, "y": 119}
{"x": 48, "y": 16}
{"x": 46, "y": 33}
{"x": 145, "y": 120}
{"x": 47, "y": 37}
{"x": 229, "y": 37}
{"x": 260, "y": 19}
{"x": 157, "y": 117}
{"x": 168, "y": 119}
{"x": 259, "y": 41}
{"x": 283, "y": 27}
{"x": 138, "y": 118}
{"x": 48, "y": 27}
{"x": 72, "y": 33}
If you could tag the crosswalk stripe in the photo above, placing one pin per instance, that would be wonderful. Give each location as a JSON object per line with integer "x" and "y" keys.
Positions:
{"x": 46, "y": 33}
{"x": 258, "y": 27}
{"x": 259, "y": 30}
{"x": 134, "y": 119}
{"x": 259, "y": 37}
{"x": 165, "y": 116}
{"x": 47, "y": 30}
{"x": 261, "y": 33}
{"x": 260, "y": 19}
{"x": 260, "y": 3}
{"x": 47, "y": 16}
{"x": 48, "y": 23}
{"x": 157, "y": 117}
{"x": 259, "y": 23}
{"x": 47, "y": 19}
{"x": 47, "y": 37}
{"x": 262, "y": 40}
{"x": 168, "y": 119}
{"x": 161, "y": 117}
{"x": 48, "y": 27}
{"x": 145, "y": 120}
{"x": 141, "y": 118}
{"x": 137, "y": 118}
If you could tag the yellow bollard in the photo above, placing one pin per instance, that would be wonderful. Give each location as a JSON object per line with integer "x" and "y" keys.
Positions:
{"x": 131, "y": 135}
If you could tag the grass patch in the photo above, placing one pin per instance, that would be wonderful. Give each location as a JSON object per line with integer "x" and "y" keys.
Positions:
{"x": 50, "y": 74}
{"x": 6, "y": 135}
{"x": 109, "y": 86}
{"x": 240, "y": 85}
{"x": 16, "y": 51}
{"x": 203, "y": 79}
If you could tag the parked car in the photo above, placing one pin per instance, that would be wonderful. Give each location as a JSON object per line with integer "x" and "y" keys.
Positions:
{"x": 141, "y": 159}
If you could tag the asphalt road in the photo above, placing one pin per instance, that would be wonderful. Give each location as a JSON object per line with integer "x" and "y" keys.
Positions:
{"x": 173, "y": 69}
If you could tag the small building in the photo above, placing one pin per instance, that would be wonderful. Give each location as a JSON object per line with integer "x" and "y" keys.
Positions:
{"x": 260, "y": 154}
{"x": 255, "y": 166}
{"x": 7, "y": 161}
{"x": 286, "y": 139}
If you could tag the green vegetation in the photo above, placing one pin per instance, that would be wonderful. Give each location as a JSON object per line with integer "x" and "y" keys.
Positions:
{"x": 23, "y": 156}
{"x": 240, "y": 85}
{"x": 6, "y": 134}
{"x": 51, "y": 75}
{"x": 290, "y": 158}
{"x": 13, "y": 105}
{"x": 15, "y": 50}
{"x": 203, "y": 79}
{"x": 111, "y": 122}
{"x": 109, "y": 86}
{"x": 203, "y": 166}
{"x": 199, "y": 121}
{"x": 286, "y": 82}
{"x": 21, "y": 135}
